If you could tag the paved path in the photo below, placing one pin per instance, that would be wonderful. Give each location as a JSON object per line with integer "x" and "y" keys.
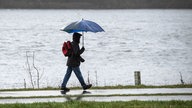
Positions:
{"x": 96, "y": 95}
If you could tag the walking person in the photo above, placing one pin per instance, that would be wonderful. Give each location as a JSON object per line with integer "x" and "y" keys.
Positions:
{"x": 73, "y": 64}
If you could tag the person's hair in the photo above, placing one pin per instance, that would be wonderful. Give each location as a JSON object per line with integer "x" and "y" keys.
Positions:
{"x": 76, "y": 37}
{"x": 77, "y": 34}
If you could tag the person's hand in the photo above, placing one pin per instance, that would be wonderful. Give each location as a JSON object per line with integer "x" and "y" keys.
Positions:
{"x": 81, "y": 59}
{"x": 83, "y": 49}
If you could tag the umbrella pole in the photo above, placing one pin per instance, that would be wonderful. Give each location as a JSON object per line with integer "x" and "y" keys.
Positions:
{"x": 83, "y": 39}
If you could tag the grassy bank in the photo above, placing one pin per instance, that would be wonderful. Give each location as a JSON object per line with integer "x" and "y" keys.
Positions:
{"x": 109, "y": 87}
{"x": 145, "y": 86}
{"x": 83, "y": 104}
{"x": 112, "y": 95}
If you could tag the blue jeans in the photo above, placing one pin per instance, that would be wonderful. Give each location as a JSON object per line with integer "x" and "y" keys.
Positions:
{"x": 77, "y": 73}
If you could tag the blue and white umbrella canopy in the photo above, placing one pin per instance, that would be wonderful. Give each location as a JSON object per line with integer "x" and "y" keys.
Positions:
{"x": 83, "y": 26}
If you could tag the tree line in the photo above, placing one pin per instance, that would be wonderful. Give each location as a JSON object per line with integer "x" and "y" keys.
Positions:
{"x": 95, "y": 4}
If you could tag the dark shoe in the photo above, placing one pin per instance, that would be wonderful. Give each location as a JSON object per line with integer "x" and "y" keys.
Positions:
{"x": 65, "y": 89}
{"x": 86, "y": 92}
{"x": 87, "y": 86}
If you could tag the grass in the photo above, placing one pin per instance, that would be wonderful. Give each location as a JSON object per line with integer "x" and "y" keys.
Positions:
{"x": 145, "y": 86}
{"x": 119, "y": 104}
{"x": 59, "y": 96}
{"x": 110, "y": 87}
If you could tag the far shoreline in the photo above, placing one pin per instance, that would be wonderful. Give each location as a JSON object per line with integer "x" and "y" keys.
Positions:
{"x": 95, "y": 4}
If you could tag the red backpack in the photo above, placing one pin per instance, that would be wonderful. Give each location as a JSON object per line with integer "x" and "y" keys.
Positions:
{"x": 67, "y": 48}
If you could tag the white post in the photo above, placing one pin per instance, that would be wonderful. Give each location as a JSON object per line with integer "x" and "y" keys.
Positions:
{"x": 137, "y": 78}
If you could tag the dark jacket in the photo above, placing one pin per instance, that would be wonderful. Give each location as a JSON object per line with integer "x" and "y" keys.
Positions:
{"x": 75, "y": 59}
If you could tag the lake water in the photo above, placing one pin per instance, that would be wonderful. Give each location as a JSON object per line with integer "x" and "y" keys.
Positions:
{"x": 158, "y": 43}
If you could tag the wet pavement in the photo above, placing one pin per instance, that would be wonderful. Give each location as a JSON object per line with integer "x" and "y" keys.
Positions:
{"x": 99, "y": 99}
{"x": 96, "y": 95}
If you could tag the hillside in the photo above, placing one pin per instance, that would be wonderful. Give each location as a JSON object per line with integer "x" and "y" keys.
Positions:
{"x": 95, "y": 4}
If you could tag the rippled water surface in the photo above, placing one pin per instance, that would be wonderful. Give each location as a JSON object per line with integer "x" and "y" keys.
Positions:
{"x": 158, "y": 43}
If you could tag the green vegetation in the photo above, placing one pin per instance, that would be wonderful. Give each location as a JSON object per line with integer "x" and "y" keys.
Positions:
{"x": 120, "y": 104}
{"x": 59, "y": 96}
{"x": 110, "y": 87}
{"x": 145, "y": 86}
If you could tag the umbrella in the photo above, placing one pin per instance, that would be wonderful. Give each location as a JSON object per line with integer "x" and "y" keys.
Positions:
{"x": 83, "y": 26}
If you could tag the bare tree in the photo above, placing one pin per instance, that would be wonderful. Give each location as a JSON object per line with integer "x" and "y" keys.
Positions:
{"x": 96, "y": 78}
{"x": 36, "y": 69}
{"x": 88, "y": 80}
{"x": 25, "y": 85}
{"x": 29, "y": 69}
{"x": 181, "y": 78}
{"x": 32, "y": 74}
